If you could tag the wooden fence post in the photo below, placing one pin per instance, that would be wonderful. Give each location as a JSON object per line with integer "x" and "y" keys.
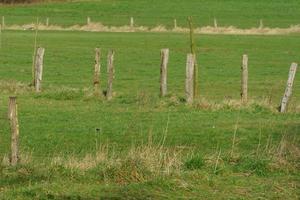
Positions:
{"x": 261, "y": 24}
{"x": 215, "y": 23}
{"x": 175, "y": 23}
{"x": 39, "y": 60}
{"x": 289, "y": 87}
{"x": 193, "y": 51}
{"x": 111, "y": 74}
{"x": 131, "y": 22}
{"x": 163, "y": 71}
{"x": 88, "y": 20}
{"x": 97, "y": 70}
{"x": 189, "y": 79}
{"x": 14, "y": 126}
{"x": 47, "y": 21}
{"x": 244, "y": 79}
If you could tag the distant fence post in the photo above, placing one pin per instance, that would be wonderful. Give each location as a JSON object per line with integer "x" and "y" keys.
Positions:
{"x": 261, "y": 24}
{"x": 39, "y": 68}
{"x": 163, "y": 71}
{"x": 289, "y": 87}
{"x": 175, "y": 23}
{"x": 111, "y": 74}
{"x": 97, "y": 69}
{"x": 189, "y": 79}
{"x": 3, "y": 22}
{"x": 244, "y": 81}
{"x": 215, "y": 23}
{"x": 14, "y": 126}
{"x": 88, "y": 20}
{"x": 131, "y": 22}
{"x": 47, "y": 21}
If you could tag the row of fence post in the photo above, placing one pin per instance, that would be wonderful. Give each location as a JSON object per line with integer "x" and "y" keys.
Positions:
{"x": 189, "y": 88}
{"x": 189, "y": 79}
{"x": 131, "y": 22}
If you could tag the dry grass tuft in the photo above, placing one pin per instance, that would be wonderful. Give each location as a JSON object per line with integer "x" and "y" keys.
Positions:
{"x": 14, "y": 87}
{"x": 99, "y": 27}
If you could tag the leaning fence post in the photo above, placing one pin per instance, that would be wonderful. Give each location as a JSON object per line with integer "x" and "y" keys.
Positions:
{"x": 244, "y": 81}
{"x": 14, "y": 126}
{"x": 111, "y": 74}
{"x": 39, "y": 59}
{"x": 163, "y": 71}
{"x": 289, "y": 87}
{"x": 189, "y": 79}
{"x": 97, "y": 69}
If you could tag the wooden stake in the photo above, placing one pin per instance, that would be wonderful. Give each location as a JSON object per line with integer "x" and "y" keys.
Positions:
{"x": 39, "y": 60}
{"x": 47, "y": 21}
{"x": 289, "y": 87}
{"x": 97, "y": 70}
{"x": 244, "y": 79}
{"x": 111, "y": 74}
{"x": 189, "y": 79}
{"x": 163, "y": 71}
{"x": 261, "y": 25}
{"x": 175, "y": 24}
{"x": 215, "y": 23}
{"x": 14, "y": 126}
{"x": 131, "y": 22}
{"x": 34, "y": 51}
{"x": 193, "y": 51}
{"x": 88, "y": 20}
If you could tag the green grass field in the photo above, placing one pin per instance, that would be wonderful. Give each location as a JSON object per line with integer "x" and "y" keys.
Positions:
{"x": 139, "y": 146}
{"x": 243, "y": 14}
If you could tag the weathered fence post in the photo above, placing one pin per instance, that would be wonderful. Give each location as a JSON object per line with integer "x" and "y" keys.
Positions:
{"x": 47, "y": 21}
{"x": 189, "y": 79}
{"x": 39, "y": 60}
{"x": 215, "y": 23}
{"x": 193, "y": 51}
{"x": 244, "y": 79}
{"x": 175, "y": 23}
{"x": 131, "y": 22}
{"x": 14, "y": 126}
{"x": 111, "y": 74}
{"x": 97, "y": 70}
{"x": 261, "y": 24}
{"x": 289, "y": 87}
{"x": 88, "y": 20}
{"x": 163, "y": 71}
{"x": 3, "y": 22}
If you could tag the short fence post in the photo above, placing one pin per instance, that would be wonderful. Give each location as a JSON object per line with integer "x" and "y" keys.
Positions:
{"x": 39, "y": 60}
{"x": 111, "y": 74}
{"x": 88, "y": 20}
{"x": 47, "y": 21}
{"x": 215, "y": 23}
{"x": 97, "y": 69}
{"x": 189, "y": 79}
{"x": 14, "y": 126}
{"x": 163, "y": 71}
{"x": 261, "y": 24}
{"x": 131, "y": 22}
{"x": 289, "y": 87}
{"x": 244, "y": 81}
{"x": 175, "y": 23}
